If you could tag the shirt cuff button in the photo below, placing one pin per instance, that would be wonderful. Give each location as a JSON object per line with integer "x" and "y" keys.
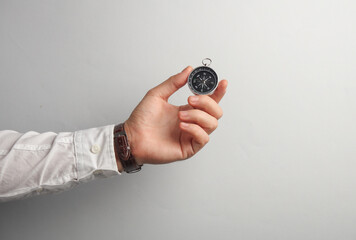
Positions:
{"x": 95, "y": 149}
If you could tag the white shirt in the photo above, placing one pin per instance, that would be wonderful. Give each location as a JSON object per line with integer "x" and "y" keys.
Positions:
{"x": 33, "y": 163}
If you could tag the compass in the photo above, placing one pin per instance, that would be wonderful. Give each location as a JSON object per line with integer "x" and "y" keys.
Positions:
{"x": 203, "y": 80}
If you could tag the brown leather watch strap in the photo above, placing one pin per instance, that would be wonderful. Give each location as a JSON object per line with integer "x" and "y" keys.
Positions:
{"x": 123, "y": 150}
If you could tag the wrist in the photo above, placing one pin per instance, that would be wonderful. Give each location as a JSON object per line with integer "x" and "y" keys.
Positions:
{"x": 120, "y": 168}
{"x": 131, "y": 138}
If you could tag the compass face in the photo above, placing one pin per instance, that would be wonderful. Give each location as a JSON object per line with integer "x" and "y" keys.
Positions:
{"x": 202, "y": 80}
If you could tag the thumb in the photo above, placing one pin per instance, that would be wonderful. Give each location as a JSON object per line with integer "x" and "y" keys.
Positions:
{"x": 172, "y": 84}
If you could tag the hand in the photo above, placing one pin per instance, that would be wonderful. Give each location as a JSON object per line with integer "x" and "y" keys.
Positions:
{"x": 159, "y": 132}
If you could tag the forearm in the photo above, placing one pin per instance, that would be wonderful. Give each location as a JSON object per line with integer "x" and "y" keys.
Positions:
{"x": 33, "y": 163}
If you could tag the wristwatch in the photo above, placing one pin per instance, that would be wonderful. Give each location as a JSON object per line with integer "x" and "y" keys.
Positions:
{"x": 123, "y": 150}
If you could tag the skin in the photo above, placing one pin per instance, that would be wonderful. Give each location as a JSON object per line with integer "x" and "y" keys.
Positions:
{"x": 159, "y": 132}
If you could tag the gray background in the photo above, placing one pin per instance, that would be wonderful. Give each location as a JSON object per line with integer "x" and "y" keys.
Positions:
{"x": 281, "y": 165}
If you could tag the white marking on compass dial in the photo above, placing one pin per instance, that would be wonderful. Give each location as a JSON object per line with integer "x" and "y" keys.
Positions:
{"x": 205, "y": 83}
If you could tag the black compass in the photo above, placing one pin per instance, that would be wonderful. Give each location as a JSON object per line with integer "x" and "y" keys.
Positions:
{"x": 203, "y": 80}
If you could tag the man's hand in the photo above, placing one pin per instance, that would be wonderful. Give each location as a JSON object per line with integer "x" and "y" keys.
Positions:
{"x": 159, "y": 132}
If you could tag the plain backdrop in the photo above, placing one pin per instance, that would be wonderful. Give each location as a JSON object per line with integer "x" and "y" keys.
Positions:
{"x": 281, "y": 165}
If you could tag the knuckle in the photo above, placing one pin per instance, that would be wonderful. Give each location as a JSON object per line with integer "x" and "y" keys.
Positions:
{"x": 220, "y": 114}
{"x": 215, "y": 124}
{"x": 174, "y": 83}
{"x": 150, "y": 92}
{"x": 170, "y": 80}
{"x": 204, "y": 99}
{"x": 206, "y": 139}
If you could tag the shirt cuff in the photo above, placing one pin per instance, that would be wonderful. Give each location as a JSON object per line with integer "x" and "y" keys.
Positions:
{"x": 94, "y": 153}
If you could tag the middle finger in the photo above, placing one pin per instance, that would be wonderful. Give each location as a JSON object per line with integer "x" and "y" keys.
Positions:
{"x": 207, "y": 104}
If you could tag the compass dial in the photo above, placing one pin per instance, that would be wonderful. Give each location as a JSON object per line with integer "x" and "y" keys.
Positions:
{"x": 202, "y": 80}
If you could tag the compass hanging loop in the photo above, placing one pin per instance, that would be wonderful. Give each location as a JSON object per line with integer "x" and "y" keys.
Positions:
{"x": 206, "y": 62}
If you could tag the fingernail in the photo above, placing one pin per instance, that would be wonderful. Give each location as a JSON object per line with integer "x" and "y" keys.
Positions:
{"x": 183, "y": 114}
{"x": 194, "y": 99}
{"x": 185, "y": 68}
{"x": 184, "y": 125}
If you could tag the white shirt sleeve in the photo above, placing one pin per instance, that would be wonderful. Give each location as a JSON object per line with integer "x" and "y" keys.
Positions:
{"x": 33, "y": 163}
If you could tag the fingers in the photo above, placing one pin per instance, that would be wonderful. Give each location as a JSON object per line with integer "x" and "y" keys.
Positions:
{"x": 220, "y": 91}
{"x": 199, "y": 136}
{"x": 203, "y": 119}
{"x": 206, "y": 104}
{"x": 172, "y": 84}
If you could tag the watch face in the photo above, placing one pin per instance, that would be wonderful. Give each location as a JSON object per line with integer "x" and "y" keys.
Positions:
{"x": 202, "y": 80}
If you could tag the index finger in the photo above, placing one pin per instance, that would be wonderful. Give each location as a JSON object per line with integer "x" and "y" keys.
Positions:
{"x": 220, "y": 91}
{"x": 172, "y": 84}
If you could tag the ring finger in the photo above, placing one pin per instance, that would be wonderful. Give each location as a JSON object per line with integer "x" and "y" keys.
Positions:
{"x": 201, "y": 118}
